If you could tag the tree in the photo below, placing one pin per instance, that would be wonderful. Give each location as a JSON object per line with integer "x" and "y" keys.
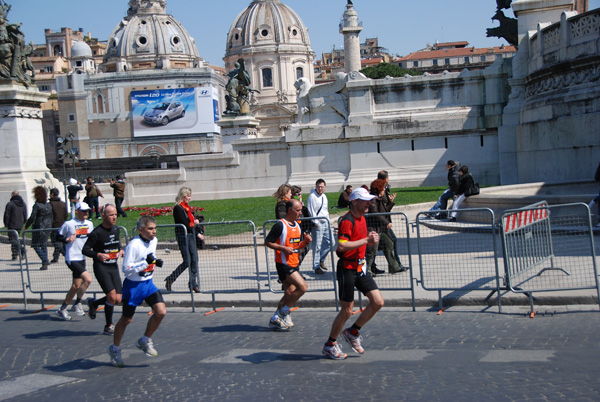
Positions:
{"x": 383, "y": 70}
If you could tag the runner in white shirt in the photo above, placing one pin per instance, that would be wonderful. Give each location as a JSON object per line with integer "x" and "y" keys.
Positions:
{"x": 138, "y": 266}
{"x": 74, "y": 233}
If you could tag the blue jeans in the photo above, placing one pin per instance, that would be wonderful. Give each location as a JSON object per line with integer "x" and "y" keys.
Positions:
{"x": 442, "y": 202}
{"x": 94, "y": 206}
{"x": 321, "y": 242}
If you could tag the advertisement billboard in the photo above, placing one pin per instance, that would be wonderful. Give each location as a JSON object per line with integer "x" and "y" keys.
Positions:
{"x": 175, "y": 111}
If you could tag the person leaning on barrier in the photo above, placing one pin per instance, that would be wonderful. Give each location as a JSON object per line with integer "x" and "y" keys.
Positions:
{"x": 15, "y": 215}
{"x": 59, "y": 216}
{"x": 75, "y": 233}
{"x": 104, "y": 247}
{"x": 40, "y": 218}
{"x": 138, "y": 266}
{"x": 286, "y": 238}
{"x": 182, "y": 214}
{"x": 353, "y": 240}
{"x": 464, "y": 190}
{"x": 382, "y": 225}
{"x": 73, "y": 189}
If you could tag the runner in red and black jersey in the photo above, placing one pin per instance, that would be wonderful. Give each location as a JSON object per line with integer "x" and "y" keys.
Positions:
{"x": 351, "y": 272}
{"x": 286, "y": 239}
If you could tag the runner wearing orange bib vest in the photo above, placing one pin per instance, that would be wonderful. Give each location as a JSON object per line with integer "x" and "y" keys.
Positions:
{"x": 286, "y": 239}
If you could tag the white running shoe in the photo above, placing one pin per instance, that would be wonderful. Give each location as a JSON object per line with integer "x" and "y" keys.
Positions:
{"x": 78, "y": 309}
{"x": 147, "y": 347}
{"x": 353, "y": 340}
{"x": 334, "y": 351}
{"x": 278, "y": 323}
{"x": 287, "y": 319}
{"x": 109, "y": 329}
{"x": 63, "y": 314}
{"x": 115, "y": 356}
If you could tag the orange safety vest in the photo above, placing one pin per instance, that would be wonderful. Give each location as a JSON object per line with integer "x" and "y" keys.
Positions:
{"x": 291, "y": 236}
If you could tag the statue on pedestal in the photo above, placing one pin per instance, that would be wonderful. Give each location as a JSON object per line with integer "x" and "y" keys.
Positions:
{"x": 238, "y": 90}
{"x": 508, "y": 29}
{"x": 15, "y": 62}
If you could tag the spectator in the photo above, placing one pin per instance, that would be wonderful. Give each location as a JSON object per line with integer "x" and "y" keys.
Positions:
{"x": 464, "y": 190}
{"x": 319, "y": 207}
{"x": 388, "y": 201}
{"x": 119, "y": 193}
{"x": 59, "y": 216}
{"x": 305, "y": 225}
{"x": 382, "y": 225}
{"x": 283, "y": 195}
{"x": 40, "y": 218}
{"x": 73, "y": 188}
{"x": 15, "y": 215}
{"x": 92, "y": 194}
{"x": 344, "y": 200}
{"x": 453, "y": 183}
{"x": 182, "y": 213}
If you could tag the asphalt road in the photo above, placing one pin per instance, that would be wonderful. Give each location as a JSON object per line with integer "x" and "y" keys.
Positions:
{"x": 460, "y": 355}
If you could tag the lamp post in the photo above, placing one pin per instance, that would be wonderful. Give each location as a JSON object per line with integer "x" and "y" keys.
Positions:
{"x": 63, "y": 152}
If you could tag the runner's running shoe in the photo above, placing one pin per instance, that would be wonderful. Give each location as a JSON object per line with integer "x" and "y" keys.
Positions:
{"x": 115, "y": 356}
{"x": 334, "y": 351}
{"x": 147, "y": 347}
{"x": 109, "y": 329}
{"x": 278, "y": 323}
{"x": 287, "y": 319}
{"x": 78, "y": 309}
{"x": 353, "y": 340}
{"x": 63, "y": 314}
{"x": 91, "y": 308}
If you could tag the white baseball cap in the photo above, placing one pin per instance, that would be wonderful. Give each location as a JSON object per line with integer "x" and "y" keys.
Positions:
{"x": 361, "y": 194}
{"x": 82, "y": 206}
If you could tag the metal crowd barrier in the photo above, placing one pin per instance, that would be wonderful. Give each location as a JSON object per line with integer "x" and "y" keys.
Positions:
{"x": 401, "y": 281}
{"x": 11, "y": 263}
{"x": 315, "y": 282}
{"x": 459, "y": 256}
{"x": 549, "y": 248}
{"x": 228, "y": 262}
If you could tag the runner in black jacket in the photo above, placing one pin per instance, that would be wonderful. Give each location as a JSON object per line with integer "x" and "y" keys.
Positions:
{"x": 104, "y": 246}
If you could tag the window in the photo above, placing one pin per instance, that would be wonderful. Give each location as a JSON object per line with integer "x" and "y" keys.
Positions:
{"x": 267, "y": 77}
{"x": 467, "y": 59}
{"x": 71, "y": 117}
{"x": 483, "y": 58}
{"x": 435, "y": 62}
{"x": 58, "y": 50}
{"x": 446, "y": 61}
{"x": 415, "y": 63}
{"x": 299, "y": 72}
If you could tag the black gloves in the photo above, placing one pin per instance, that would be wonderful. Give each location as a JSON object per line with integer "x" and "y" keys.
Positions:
{"x": 151, "y": 259}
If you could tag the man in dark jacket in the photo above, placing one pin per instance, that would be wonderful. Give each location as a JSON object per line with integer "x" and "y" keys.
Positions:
{"x": 453, "y": 183}
{"x": 15, "y": 215}
{"x": 119, "y": 193}
{"x": 59, "y": 216}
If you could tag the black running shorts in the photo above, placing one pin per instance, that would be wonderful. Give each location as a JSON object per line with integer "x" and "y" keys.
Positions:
{"x": 108, "y": 277}
{"x": 350, "y": 278}
{"x": 284, "y": 271}
{"x": 77, "y": 268}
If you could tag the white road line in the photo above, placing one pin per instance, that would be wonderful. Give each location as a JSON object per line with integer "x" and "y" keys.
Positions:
{"x": 31, "y": 383}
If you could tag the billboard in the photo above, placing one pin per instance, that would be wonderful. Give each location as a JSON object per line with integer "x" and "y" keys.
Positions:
{"x": 175, "y": 111}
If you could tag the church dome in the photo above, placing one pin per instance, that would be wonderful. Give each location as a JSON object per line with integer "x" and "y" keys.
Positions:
{"x": 80, "y": 50}
{"x": 264, "y": 24}
{"x": 149, "y": 38}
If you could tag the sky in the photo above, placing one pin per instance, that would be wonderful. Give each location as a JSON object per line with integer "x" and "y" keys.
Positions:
{"x": 402, "y": 26}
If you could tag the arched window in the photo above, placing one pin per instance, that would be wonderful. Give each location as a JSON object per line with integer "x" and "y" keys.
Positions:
{"x": 100, "y": 104}
{"x": 267, "y": 77}
{"x": 58, "y": 50}
{"x": 299, "y": 72}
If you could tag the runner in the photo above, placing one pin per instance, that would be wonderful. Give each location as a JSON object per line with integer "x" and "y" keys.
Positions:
{"x": 104, "y": 247}
{"x": 352, "y": 244}
{"x": 138, "y": 267}
{"x": 74, "y": 233}
{"x": 286, "y": 239}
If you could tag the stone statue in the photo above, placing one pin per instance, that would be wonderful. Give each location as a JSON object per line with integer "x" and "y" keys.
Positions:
{"x": 15, "y": 62}
{"x": 238, "y": 90}
{"x": 350, "y": 2}
{"x": 508, "y": 29}
{"x": 322, "y": 104}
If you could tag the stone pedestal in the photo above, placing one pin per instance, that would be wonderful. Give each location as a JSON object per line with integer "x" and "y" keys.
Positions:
{"x": 237, "y": 128}
{"x": 22, "y": 154}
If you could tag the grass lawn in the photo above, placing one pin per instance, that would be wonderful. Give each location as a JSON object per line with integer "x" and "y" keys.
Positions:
{"x": 262, "y": 209}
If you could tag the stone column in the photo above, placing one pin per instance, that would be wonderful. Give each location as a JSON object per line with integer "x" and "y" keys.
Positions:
{"x": 350, "y": 28}
{"x": 22, "y": 154}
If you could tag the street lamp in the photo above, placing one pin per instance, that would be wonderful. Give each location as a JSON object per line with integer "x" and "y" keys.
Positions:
{"x": 63, "y": 152}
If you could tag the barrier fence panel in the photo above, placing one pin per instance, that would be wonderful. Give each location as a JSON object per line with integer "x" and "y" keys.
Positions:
{"x": 316, "y": 282}
{"x": 394, "y": 246}
{"x": 459, "y": 256}
{"x": 549, "y": 248}
{"x": 12, "y": 277}
{"x": 229, "y": 260}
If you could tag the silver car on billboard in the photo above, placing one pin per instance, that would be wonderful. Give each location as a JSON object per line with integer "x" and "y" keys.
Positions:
{"x": 164, "y": 112}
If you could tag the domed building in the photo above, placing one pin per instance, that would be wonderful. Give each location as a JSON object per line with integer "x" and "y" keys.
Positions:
{"x": 274, "y": 43}
{"x": 149, "y": 38}
{"x": 152, "y": 100}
